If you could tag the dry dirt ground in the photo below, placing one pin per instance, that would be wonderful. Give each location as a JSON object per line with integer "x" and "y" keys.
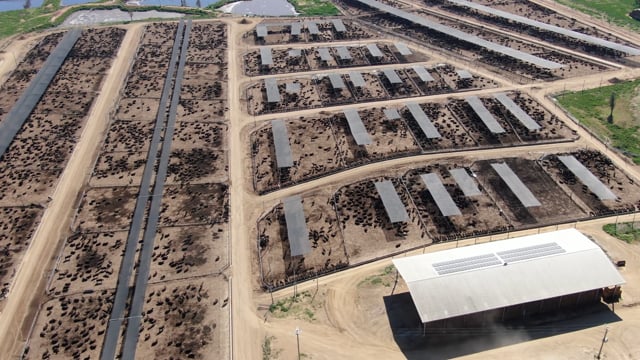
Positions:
{"x": 342, "y": 316}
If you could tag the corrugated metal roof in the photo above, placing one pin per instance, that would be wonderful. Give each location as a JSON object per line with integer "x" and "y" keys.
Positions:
{"x": 517, "y": 111}
{"x": 358, "y": 130}
{"x": 338, "y": 25}
{"x": 296, "y": 28}
{"x": 427, "y": 127}
{"x": 357, "y": 79}
{"x": 586, "y": 177}
{"x": 580, "y": 266}
{"x": 266, "y": 56}
{"x": 374, "y": 50}
{"x": 273, "y": 93}
{"x": 483, "y": 113}
{"x": 313, "y": 28}
{"x": 517, "y": 187}
{"x": 343, "y": 53}
{"x": 403, "y": 49}
{"x": 423, "y": 74}
{"x": 392, "y": 76}
{"x": 336, "y": 81}
{"x": 548, "y": 27}
{"x": 297, "y": 232}
{"x": 281, "y": 143}
{"x": 324, "y": 54}
{"x": 464, "y": 74}
{"x": 392, "y": 203}
{"x": 261, "y": 30}
{"x": 463, "y": 36}
{"x": 440, "y": 195}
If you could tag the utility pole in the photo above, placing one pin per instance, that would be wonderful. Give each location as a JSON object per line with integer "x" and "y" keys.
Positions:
{"x": 604, "y": 340}
{"x": 298, "y": 332}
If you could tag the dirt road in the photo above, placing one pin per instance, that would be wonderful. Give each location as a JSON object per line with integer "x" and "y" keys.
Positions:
{"x": 28, "y": 285}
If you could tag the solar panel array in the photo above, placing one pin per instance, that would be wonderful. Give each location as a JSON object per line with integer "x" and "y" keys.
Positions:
{"x": 357, "y": 79}
{"x": 266, "y": 57}
{"x": 403, "y": 49}
{"x": 324, "y": 54}
{"x": 336, "y": 81}
{"x": 513, "y": 108}
{"x": 489, "y": 121}
{"x": 374, "y": 50}
{"x": 423, "y": 121}
{"x": 500, "y": 258}
{"x": 465, "y": 182}
{"x": 440, "y": 195}
{"x": 423, "y": 74}
{"x": 552, "y": 28}
{"x": 273, "y": 93}
{"x": 296, "y": 28}
{"x": 391, "y": 113}
{"x": 261, "y": 30}
{"x": 591, "y": 181}
{"x": 338, "y": 25}
{"x": 392, "y": 204}
{"x": 464, "y": 74}
{"x": 468, "y": 263}
{"x": 281, "y": 143}
{"x": 392, "y": 76}
{"x": 531, "y": 252}
{"x": 358, "y": 130}
{"x": 313, "y": 28}
{"x": 463, "y": 36}
{"x": 25, "y": 104}
{"x": 518, "y": 188}
{"x": 297, "y": 232}
{"x": 343, "y": 53}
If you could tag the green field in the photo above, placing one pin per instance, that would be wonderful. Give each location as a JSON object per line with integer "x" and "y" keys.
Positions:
{"x": 627, "y": 232}
{"x": 21, "y": 21}
{"x": 613, "y": 11}
{"x": 591, "y": 108}
{"x": 315, "y": 7}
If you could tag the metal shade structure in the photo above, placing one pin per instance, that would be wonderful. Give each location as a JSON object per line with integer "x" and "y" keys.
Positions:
{"x": 284, "y": 158}
{"x": 392, "y": 76}
{"x": 25, "y": 104}
{"x": 402, "y": 48}
{"x": 495, "y": 275}
{"x": 297, "y": 232}
{"x": 261, "y": 30}
{"x": 374, "y": 50}
{"x": 423, "y": 121}
{"x": 357, "y": 79}
{"x": 489, "y": 121}
{"x": 517, "y": 111}
{"x": 464, "y": 74}
{"x": 296, "y": 28}
{"x": 548, "y": 27}
{"x": 463, "y": 36}
{"x": 266, "y": 57}
{"x": 587, "y": 178}
{"x": 292, "y": 88}
{"x": 273, "y": 93}
{"x": 343, "y": 53}
{"x": 440, "y": 195}
{"x": 313, "y": 28}
{"x": 294, "y": 53}
{"x": 423, "y": 74}
{"x": 392, "y": 114}
{"x": 518, "y": 188}
{"x": 324, "y": 54}
{"x": 338, "y": 25}
{"x": 358, "y": 130}
{"x": 336, "y": 81}
{"x": 392, "y": 204}
{"x": 465, "y": 182}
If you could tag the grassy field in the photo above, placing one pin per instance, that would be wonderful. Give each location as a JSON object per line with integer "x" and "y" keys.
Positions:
{"x": 627, "y": 232}
{"x": 613, "y": 11}
{"x": 21, "y": 21}
{"x": 315, "y": 7}
{"x": 591, "y": 108}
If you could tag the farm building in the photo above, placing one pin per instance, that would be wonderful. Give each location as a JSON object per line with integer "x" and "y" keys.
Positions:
{"x": 512, "y": 279}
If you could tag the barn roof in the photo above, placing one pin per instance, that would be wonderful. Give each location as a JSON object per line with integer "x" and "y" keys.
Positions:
{"x": 494, "y": 275}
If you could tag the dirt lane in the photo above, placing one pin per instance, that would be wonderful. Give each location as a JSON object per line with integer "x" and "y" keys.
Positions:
{"x": 28, "y": 284}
